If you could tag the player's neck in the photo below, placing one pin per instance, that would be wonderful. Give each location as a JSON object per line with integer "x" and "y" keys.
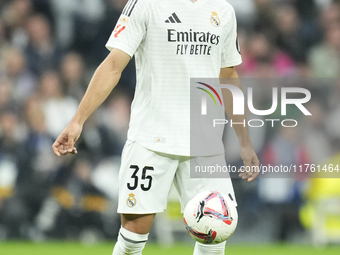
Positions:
{"x": 193, "y": 1}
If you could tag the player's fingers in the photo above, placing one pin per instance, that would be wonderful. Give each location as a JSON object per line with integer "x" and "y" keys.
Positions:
{"x": 244, "y": 175}
{"x": 242, "y": 169}
{"x": 55, "y": 148}
{"x": 255, "y": 170}
{"x": 246, "y": 170}
{"x": 248, "y": 167}
{"x": 70, "y": 143}
{"x": 242, "y": 172}
{"x": 62, "y": 150}
{"x": 74, "y": 151}
{"x": 253, "y": 177}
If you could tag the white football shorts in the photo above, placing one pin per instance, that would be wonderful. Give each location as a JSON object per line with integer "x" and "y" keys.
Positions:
{"x": 146, "y": 177}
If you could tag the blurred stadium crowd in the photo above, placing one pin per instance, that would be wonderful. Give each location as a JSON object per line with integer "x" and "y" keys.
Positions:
{"x": 48, "y": 52}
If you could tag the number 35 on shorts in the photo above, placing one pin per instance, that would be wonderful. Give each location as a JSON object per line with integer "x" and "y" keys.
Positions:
{"x": 144, "y": 181}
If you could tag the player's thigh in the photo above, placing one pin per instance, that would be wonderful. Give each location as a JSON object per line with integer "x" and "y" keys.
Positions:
{"x": 189, "y": 187}
{"x": 145, "y": 179}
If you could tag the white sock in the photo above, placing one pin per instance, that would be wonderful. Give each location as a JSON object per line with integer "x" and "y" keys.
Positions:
{"x": 209, "y": 249}
{"x": 129, "y": 243}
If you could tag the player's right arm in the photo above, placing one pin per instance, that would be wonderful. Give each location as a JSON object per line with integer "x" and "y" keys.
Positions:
{"x": 125, "y": 39}
{"x": 105, "y": 78}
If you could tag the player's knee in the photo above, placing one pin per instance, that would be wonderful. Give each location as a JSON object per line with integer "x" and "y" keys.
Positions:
{"x": 137, "y": 223}
{"x": 129, "y": 243}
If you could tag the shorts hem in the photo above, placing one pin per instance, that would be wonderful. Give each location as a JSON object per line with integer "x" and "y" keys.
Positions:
{"x": 138, "y": 213}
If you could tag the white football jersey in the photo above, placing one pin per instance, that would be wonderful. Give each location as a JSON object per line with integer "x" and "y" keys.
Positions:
{"x": 173, "y": 41}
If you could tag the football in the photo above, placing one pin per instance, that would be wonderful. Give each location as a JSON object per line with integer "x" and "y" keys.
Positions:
{"x": 210, "y": 217}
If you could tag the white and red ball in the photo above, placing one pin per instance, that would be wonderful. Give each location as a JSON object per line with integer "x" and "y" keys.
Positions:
{"x": 210, "y": 217}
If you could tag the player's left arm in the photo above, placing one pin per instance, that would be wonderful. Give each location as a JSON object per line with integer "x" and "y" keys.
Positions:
{"x": 249, "y": 157}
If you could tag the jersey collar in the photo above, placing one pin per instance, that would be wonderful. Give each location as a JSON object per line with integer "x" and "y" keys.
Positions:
{"x": 194, "y": 5}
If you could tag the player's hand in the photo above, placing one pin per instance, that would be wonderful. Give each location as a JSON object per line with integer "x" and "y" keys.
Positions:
{"x": 66, "y": 140}
{"x": 251, "y": 163}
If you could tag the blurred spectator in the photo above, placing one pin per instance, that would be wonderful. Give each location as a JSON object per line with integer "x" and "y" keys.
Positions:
{"x": 294, "y": 36}
{"x": 80, "y": 206}
{"x": 72, "y": 74}
{"x": 45, "y": 8}
{"x": 116, "y": 117}
{"x": 6, "y": 97}
{"x": 42, "y": 53}
{"x": 58, "y": 107}
{"x": 265, "y": 19}
{"x": 324, "y": 59}
{"x": 315, "y": 136}
{"x": 4, "y": 45}
{"x": 98, "y": 141}
{"x": 105, "y": 174}
{"x": 37, "y": 161}
{"x": 330, "y": 16}
{"x": 9, "y": 138}
{"x": 262, "y": 54}
{"x": 307, "y": 10}
{"x": 36, "y": 165}
{"x": 15, "y": 16}
{"x": 40, "y": 158}
{"x": 74, "y": 18}
{"x": 282, "y": 195}
{"x": 22, "y": 81}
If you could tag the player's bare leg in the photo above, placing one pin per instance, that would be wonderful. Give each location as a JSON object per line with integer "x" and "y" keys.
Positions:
{"x": 133, "y": 234}
{"x": 138, "y": 223}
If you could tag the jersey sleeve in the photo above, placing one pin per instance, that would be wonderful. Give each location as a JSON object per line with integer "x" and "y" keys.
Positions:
{"x": 231, "y": 55}
{"x": 130, "y": 29}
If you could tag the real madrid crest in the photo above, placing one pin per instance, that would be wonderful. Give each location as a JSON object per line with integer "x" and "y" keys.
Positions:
{"x": 215, "y": 20}
{"x": 131, "y": 201}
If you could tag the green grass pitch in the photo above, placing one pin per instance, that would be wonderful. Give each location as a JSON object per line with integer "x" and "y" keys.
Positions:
{"x": 67, "y": 248}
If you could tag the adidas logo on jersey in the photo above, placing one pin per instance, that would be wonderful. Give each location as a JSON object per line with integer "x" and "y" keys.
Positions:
{"x": 173, "y": 19}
